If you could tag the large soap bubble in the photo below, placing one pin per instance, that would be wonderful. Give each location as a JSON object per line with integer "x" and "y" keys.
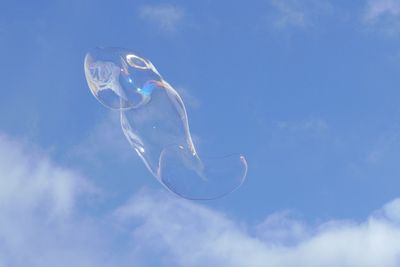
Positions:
{"x": 154, "y": 120}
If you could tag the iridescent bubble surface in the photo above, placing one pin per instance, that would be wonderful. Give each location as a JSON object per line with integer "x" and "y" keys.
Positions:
{"x": 155, "y": 122}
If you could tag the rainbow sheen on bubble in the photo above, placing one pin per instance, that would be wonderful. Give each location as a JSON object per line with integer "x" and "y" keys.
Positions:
{"x": 154, "y": 121}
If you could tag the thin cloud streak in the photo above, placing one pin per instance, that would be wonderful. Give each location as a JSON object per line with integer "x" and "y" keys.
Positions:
{"x": 316, "y": 125}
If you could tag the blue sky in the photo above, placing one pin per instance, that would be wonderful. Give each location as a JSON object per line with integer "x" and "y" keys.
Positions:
{"x": 306, "y": 90}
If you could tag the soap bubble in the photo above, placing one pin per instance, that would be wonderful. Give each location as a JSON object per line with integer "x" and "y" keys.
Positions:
{"x": 154, "y": 120}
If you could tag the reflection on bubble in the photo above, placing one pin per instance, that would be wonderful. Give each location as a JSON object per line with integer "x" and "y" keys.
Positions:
{"x": 154, "y": 120}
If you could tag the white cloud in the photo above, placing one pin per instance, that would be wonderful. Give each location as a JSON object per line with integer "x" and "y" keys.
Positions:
{"x": 282, "y": 228}
{"x": 383, "y": 15}
{"x": 297, "y": 13}
{"x": 42, "y": 223}
{"x": 196, "y": 236}
{"x": 30, "y": 180}
{"x": 38, "y": 219}
{"x": 166, "y": 17}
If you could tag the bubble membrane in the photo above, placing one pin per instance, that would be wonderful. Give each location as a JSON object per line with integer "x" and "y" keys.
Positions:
{"x": 154, "y": 121}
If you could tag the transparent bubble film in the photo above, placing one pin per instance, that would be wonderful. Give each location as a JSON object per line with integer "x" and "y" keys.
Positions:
{"x": 155, "y": 122}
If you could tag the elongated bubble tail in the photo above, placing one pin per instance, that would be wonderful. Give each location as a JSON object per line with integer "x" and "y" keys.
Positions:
{"x": 209, "y": 178}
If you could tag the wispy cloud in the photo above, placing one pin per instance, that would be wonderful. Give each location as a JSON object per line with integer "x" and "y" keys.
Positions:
{"x": 104, "y": 142}
{"x": 386, "y": 147}
{"x": 296, "y": 13}
{"x": 188, "y": 98}
{"x": 289, "y": 14}
{"x": 383, "y": 15}
{"x": 167, "y": 18}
